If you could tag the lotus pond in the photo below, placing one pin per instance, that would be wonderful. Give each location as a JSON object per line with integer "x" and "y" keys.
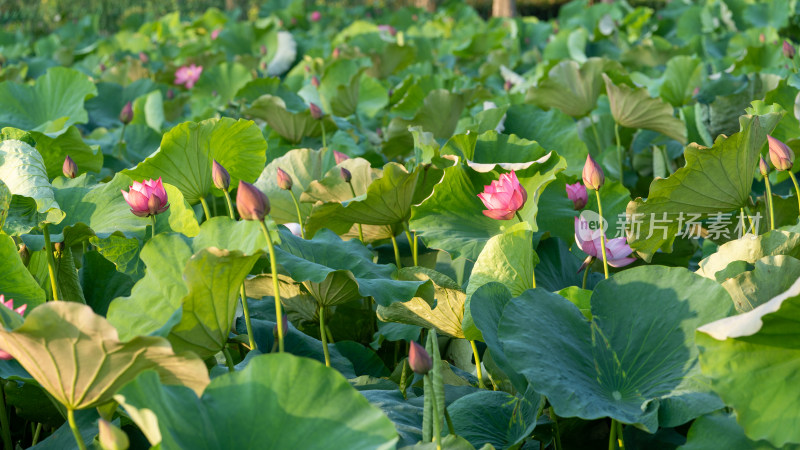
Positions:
{"x": 366, "y": 228}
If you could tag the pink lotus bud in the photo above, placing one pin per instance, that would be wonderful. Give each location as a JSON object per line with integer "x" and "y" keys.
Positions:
{"x": 263, "y": 50}
{"x": 780, "y": 154}
{"x": 315, "y": 81}
{"x": 147, "y": 198}
{"x": 503, "y": 197}
{"x": 215, "y": 34}
{"x": 339, "y": 157}
{"x": 577, "y": 193}
{"x": 251, "y": 202}
{"x": 284, "y": 180}
{"x": 126, "y": 115}
{"x": 593, "y": 177}
{"x": 763, "y": 167}
{"x": 589, "y": 241}
{"x": 307, "y": 69}
{"x": 143, "y": 57}
{"x": 220, "y": 176}
{"x": 336, "y": 52}
{"x": 762, "y": 38}
{"x": 316, "y": 113}
{"x": 419, "y": 359}
{"x": 70, "y": 169}
{"x": 508, "y": 85}
{"x": 788, "y": 50}
{"x": 346, "y": 175}
{"x": 316, "y": 16}
{"x": 21, "y": 311}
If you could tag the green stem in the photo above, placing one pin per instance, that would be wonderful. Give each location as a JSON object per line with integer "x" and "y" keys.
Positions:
{"x": 324, "y": 336}
{"x": 230, "y": 204}
{"x": 412, "y": 243}
{"x": 556, "y": 433}
{"x": 619, "y": 150}
{"x": 403, "y": 377}
{"x": 585, "y": 277}
{"x": 360, "y": 231}
{"x": 518, "y": 216}
{"x": 416, "y": 248}
{"x": 246, "y": 312}
{"x": 330, "y": 335}
{"x": 5, "y": 421}
{"x": 322, "y": 124}
{"x": 228, "y": 359}
{"x": 74, "y": 427}
{"x": 121, "y": 144}
{"x": 596, "y": 136}
{"x": 153, "y": 231}
{"x": 273, "y": 263}
{"x": 450, "y": 428}
{"x": 205, "y": 209}
{"x": 796, "y": 187}
{"x": 36, "y": 433}
{"x": 603, "y": 234}
{"x": 620, "y": 437}
{"x": 437, "y": 424}
{"x": 396, "y": 253}
{"x": 612, "y": 437}
{"x": 299, "y": 215}
{"x": 477, "y": 364}
{"x": 51, "y": 264}
{"x": 768, "y": 199}
{"x": 750, "y": 218}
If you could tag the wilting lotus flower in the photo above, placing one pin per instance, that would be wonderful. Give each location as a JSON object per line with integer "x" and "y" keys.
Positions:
{"x": 220, "y": 176}
{"x": 419, "y": 359}
{"x": 593, "y": 176}
{"x": 126, "y": 115}
{"x": 577, "y": 193}
{"x": 339, "y": 156}
{"x": 215, "y": 34}
{"x": 588, "y": 240}
{"x": 503, "y": 197}
{"x": 316, "y": 16}
{"x": 10, "y": 305}
{"x": 780, "y": 154}
{"x": 70, "y": 169}
{"x": 251, "y": 202}
{"x": 788, "y": 50}
{"x": 147, "y": 198}
{"x": 188, "y": 75}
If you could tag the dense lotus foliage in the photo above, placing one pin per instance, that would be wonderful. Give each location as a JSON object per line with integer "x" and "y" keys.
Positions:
{"x": 364, "y": 228}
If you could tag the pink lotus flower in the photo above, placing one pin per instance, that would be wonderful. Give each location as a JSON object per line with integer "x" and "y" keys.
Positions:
{"x": 316, "y": 16}
{"x": 188, "y": 75}
{"x": 588, "y": 240}
{"x": 215, "y": 34}
{"x": 10, "y": 305}
{"x": 147, "y": 199}
{"x": 577, "y": 193}
{"x": 503, "y": 197}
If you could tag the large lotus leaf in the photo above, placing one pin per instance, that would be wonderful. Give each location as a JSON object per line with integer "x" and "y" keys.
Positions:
{"x": 571, "y": 87}
{"x": 714, "y": 180}
{"x": 682, "y": 76}
{"x": 493, "y": 417}
{"x": 336, "y": 271}
{"x": 772, "y": 275}
{"x": 553, "y": 130}
{"x": 445, "y": 315}
{"x": 749, "y": 249}
{"x": 491, "y": 148}
{"x": 304, "y": 166}
{"x": 76, "y": 355}
{"x": 720, "y": 430}
{"x": 339, "y": 86}
{"x": 101, "y": 282}
{"x": 758, "y": 348}
{"x": 558, "y": 268}
{"x": 53, "y": 102}
{"x": 111, "y": 98}
{"x": 639, "y": 367}
{"x": 386, "y": 202}
{"x": 55, "y": 147}
{"x": 24, "y": 174}
{"x": 451, "y": 218}
{"x": 17, "y": 283}
{"x": 438, "y": 114}
{"x": 188, "y": 150}
{"x": 301, "y": 404}
{"x": 291, "y": 125}
{"x": 634, "y": 108}
{"x": 221, "y": 82}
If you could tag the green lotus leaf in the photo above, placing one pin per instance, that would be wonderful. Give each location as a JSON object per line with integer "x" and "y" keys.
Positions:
{"x": 188, "y": 150}
{"x": 5, "y": 202}
{"x": 682, "y": 76}
{"x": 340, "y": 85}
{"x": 493, "y": 417}
{"x": 634, "y": 108}
{"x": 772, "y": 275}
{"x": 220, "y": 83}
{"x": 720, "y": 430}
{"x": 639, "y": 367}
{"x": 78, "y": 358}
{"x": 291, "y": 125}
{"x": 101, "y": 282}
{"x": 439, "y": 114}
{"x": 52, "y": 103}
{"x": 17, "y": 283}
{"x": 760, "y": 346}
{"x": 302, "y": 404}
{"x": 714, "y": 180}
{"x": 55, "y": 147}
{"x": 104, "y": 109}
{"x": 749, "y": 249}
{"x": 336, "y": 271}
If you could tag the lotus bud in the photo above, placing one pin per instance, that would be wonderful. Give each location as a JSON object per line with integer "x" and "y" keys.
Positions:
{"x": 419, "y": 359}
{"x": 284, "y": 180}
{"x": 508, "y": 85}
{"x": 143, "y": 57}
{"x": 315, "y": 81}
{"x": 339, "y": 157}
{"x": 316, "y": 113}
{"x": 336, "y": 53}
{"x": 263, "y": 50}
{"x": 70, "y": 169}
{"x": 307, "y": 69}
{"x": 24, "y": 254}
{"x": 251, "y": 203}
{"x": 593, "y": 177}
{"x": 126, "y": 115}
{"x": 379, "y": 132}
{"x": 110, "y": 437}
{"x": 284, "y": 322}
{"x": 346, "y": 175}
{"x": 780, "y": 154}
{"x": 788, "y": 50}
{"x": 102, "y": 67}
{"x": 316, "y": 16}
{"x": 577, "y": 193}
{"x": 220, "y": 176}
{"x": 763, "y": 167}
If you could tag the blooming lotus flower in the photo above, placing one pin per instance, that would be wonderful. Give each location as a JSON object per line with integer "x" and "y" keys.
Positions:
{"x": 503, "y": 197}
{"x": 215, "y": 34}
{"x": 251, "y": 202}
{"x": 588, "y": 240}
{"x": 220, "y": 176}
{"x": 593, "y": 176}
{"x": 780, "y": 154}
{"x": 147, "y": 198}
{"x": 577, "y": 193}
{"x": 419, "y": 359}
{"x": 188, "y": 75}
{"x": 316, "y": 16}
{"x": 10, "y": 305}
{"x": 69, "y": 168}
{"x": 339, "y": 157}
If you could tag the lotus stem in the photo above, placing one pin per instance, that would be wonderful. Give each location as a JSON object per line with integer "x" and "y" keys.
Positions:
{"x": 437, "y": 425}
{"x": 479, "y": 372}
{"x": 324, "y": 336}
{"x": 230, "y": 204}
{"x": 360, "y": 231}
{"x": 228, "y": 359}
{"x": 619, "y": 151}
{"x": 51, "y": 264}
{"x": 450, "y": 428}
{"x": 412, "y": 243}
{"x": 796, "y": 187}
{"x": 5, "y": 422}
{"x": 74, "y": 427}
{"x": 596, "y": 135}
{"x": 299, "y": 215}
{"x": 246, "y": 312}
{"x": 396, "y": 252}
{"x": 603, "y": 234}
{"x": 768, "y": 200}
{"x": 322, "y": 124}
{"x": 620, "y": 438}
{"x": 153, "y": 231}
{"x": 273, "y": 263}
{"x": 556, "y": 433}
{"x": 205, "y": 208}
{"x": 612, "y": 437}
{"x": 36, "y": 432}
{"x": 585, "y": 276}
